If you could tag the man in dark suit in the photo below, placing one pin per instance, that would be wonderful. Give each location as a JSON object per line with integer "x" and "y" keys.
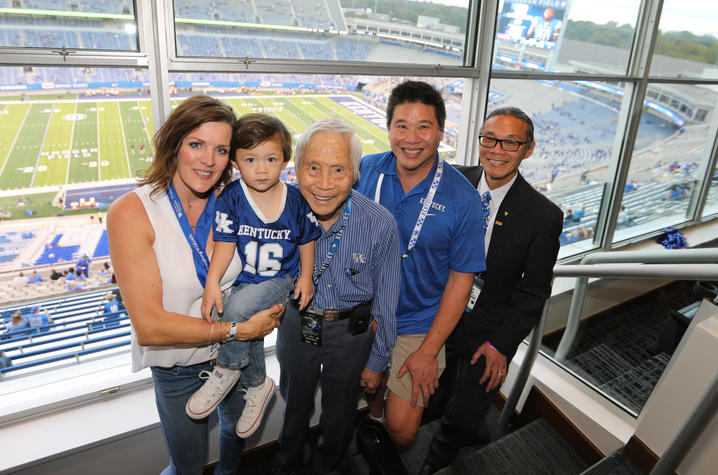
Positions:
{"x": 522, "y": 242}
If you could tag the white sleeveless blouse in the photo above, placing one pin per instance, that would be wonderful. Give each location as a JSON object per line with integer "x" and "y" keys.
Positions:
{"x": 181, "y": 289}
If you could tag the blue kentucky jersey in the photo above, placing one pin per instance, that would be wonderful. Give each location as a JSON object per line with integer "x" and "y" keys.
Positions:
{"x": 268, "y": 247}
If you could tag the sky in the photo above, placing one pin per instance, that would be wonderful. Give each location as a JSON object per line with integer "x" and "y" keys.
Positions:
{"x": 698, "y": 16}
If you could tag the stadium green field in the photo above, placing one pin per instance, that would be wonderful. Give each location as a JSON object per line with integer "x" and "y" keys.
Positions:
{"x": 40, "y": 205}
{"x": 59, "y": 140}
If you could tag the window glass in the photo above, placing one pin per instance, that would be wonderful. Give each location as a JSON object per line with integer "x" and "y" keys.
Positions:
{"x": 687, "y": 45}
{"x": 357, "y": 30}
{"x": 298, "y": 100}
{"x": 575, "y": 130}
{"x": 711, "y": 206}
{"x": 94, "y": 124}
{"x": 96, "y": 131}
{"x": 107, "y": 25}
{"x": 671, "y": 145}
{"x": 554, "y": 35}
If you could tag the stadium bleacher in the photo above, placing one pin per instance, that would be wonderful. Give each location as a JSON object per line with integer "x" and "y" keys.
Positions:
{"x": 204, "y": 41}
{"x": 12, "y": 243}
{"x": 103, "y": 246}
{"x": 80, "y": 327}
{"x": 640, "y": 206}
{"x": 53, "y": 252}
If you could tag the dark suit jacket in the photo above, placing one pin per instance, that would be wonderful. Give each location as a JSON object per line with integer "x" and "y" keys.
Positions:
{"x": 519, "y": 267}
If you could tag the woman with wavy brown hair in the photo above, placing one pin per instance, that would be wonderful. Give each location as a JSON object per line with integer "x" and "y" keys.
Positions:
{"x": 160, "y": 239}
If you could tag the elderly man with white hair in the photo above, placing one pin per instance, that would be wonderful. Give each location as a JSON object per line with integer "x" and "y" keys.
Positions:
{"x": 344, "y": 339}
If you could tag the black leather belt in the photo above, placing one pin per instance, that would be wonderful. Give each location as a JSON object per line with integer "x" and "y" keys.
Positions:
{"x": 331, "y": 315}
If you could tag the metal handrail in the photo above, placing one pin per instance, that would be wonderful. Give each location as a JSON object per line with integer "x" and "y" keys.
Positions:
{"x": 638, "y": 261}
{"x": 524, "y": 371}
{"x": 635, "y": 270}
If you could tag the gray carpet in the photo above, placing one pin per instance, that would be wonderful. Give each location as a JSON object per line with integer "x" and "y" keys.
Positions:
{"x": 413, "y": 459}
{"x": 634, "y": 386}
{"x": 615, "y": 349}
{"x": 534, "y": 449}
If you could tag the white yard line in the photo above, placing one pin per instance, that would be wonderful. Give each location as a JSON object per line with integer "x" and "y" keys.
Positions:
{"x": 14, "y": 140}
{"x": 42, "y": 144}
{"x": 124, "y": 140}
{"x": 97, "y": 111}
{"x": 72, "y": 141}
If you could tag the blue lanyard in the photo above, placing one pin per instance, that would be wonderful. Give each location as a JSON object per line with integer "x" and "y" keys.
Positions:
{"x": 338, "y": 237}
{"x": 428, "y": 200}
{"x": 197, "y": 239}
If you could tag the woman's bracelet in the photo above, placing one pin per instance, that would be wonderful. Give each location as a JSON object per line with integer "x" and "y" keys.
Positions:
{"x": 211, "y": 332}
{"x": 231, "y": 331}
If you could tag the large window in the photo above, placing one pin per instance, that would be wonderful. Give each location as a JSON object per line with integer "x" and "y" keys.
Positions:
{"x": 299, "y": 100}
{"x": 575, "y": 130}
{"x": 84, "y": 84}
{"x": 671, "y": 146}
{"x": 74, "y": 125}
{"x": 554, "y": 35}
{"x": 711, "y": 206}
{"x": 108, "y": 25}
{"x": 686, "y": 45}
{"x": 357, "y": 30}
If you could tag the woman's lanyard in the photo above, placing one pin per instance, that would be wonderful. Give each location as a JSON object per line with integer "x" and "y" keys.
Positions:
{"x": 428, "y": 200}
{"x": 338, "y": 237}
{"x": 197, "y": 239}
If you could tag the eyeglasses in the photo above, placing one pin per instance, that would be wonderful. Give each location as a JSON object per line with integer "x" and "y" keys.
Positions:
{"x": 506, "y": 145}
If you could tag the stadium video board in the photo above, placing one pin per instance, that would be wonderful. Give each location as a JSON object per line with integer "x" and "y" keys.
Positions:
{"x": 535, "y": 23}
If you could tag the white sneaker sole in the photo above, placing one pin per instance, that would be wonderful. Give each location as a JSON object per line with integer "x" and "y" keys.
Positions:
{"x": 253, "y": 428}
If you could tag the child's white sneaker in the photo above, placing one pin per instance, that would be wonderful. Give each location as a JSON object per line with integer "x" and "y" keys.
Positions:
{"x": 256, "y": 401}
{"x": 205, "y": 399}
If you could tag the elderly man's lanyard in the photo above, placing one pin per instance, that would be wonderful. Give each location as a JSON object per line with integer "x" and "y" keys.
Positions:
{"x": 428, "y": 200}
{"x": 337, "y": 237}
{"x": 197, "y": 239}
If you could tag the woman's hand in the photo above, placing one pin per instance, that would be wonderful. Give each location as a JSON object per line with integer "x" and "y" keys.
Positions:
{"x": 261, "y": 323}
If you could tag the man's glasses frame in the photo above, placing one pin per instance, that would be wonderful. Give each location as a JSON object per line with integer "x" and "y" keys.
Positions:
{"x": 506, "y": 145}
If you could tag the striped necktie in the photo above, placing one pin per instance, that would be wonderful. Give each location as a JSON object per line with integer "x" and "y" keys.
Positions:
{"x": 485, "y": 199}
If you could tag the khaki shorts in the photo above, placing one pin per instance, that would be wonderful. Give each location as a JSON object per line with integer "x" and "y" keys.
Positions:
{"x": 406, "y": 345}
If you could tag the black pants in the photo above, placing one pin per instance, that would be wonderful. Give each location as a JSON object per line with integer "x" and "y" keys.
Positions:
{"x": 337, "y": 365}
{"x": 468, "y": 404}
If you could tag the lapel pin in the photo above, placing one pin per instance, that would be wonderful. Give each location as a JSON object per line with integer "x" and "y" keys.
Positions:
{"x": 506, "y": 213}
{"x": 499, "y": 223}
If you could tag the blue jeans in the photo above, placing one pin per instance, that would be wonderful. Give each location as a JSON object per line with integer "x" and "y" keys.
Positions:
{"x": 244, "y": 301}
{"x": 187, "y": 438}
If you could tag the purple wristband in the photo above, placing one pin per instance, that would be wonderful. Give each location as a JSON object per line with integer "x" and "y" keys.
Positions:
{"x": 492, "y": 346}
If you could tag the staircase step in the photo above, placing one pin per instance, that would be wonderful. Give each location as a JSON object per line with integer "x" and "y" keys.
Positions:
{"x": 534, "y": 449}
{"x": 413, "y": 459}
{"x": 633, "y": 387}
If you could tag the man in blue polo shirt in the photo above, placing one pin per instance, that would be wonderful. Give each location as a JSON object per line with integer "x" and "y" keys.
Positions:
{"x": 440, "y": 234}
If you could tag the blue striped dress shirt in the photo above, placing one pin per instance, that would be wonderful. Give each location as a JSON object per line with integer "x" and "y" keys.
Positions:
{"x": 365, "y": 267}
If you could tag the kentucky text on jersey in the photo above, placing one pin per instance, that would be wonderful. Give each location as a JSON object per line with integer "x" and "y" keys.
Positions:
{"x": 263, "y": 233}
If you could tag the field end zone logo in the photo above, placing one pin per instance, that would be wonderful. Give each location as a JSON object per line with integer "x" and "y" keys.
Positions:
{"x": 74, "y": 116}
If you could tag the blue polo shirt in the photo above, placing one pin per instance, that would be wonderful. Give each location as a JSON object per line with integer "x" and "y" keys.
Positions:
{"x": 451, "y": 239}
